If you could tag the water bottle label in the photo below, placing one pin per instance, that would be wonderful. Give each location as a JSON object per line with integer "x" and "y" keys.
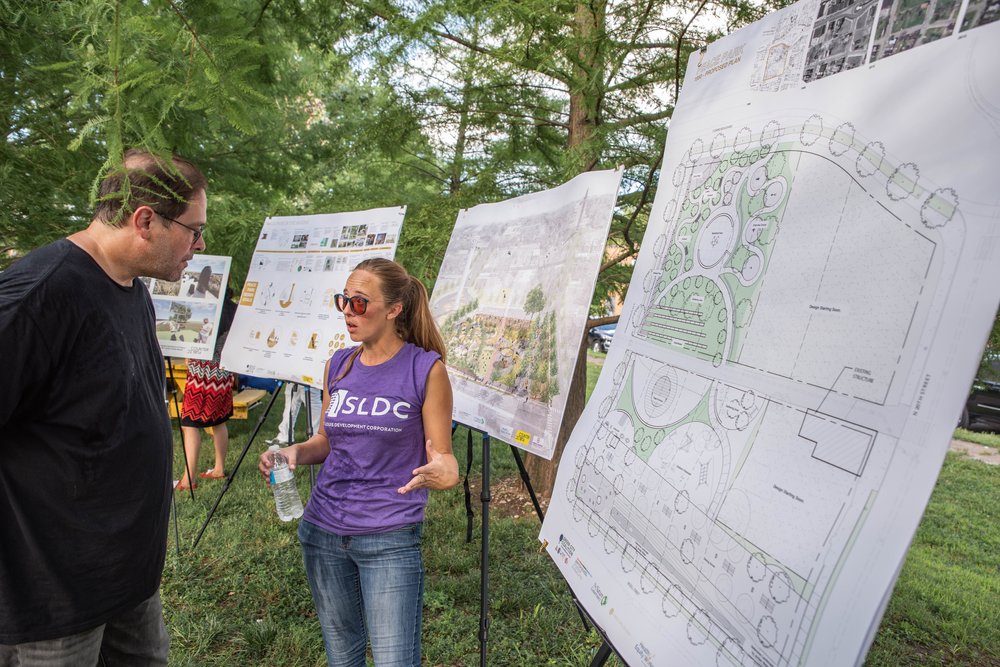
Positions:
{"x": 283, "y": 475}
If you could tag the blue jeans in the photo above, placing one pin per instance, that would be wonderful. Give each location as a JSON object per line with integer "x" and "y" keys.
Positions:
{"x": 134, "y": 638}
{"x": 366, "y": 587}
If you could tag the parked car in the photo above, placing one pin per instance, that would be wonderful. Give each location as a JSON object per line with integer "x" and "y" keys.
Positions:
{"x": 982, "y": 409}
{"x": 599, "y": 338}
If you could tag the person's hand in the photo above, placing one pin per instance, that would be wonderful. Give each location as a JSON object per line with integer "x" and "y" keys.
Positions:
{"x": 264, "y": 462}
{"x": 441, "y": 472}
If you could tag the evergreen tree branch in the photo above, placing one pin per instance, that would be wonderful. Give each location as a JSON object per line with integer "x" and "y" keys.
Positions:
{"x": 624, "y": 52}
{"x": 192, "y": 31}
{"x": 677, "y": 49}
{"x": 614, "y": 261}
{"x": 260, "y": 16}
{"x": 640, "y": 119}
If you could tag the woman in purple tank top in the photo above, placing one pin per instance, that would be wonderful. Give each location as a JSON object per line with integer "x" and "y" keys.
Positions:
{"x": 385, "y": 441}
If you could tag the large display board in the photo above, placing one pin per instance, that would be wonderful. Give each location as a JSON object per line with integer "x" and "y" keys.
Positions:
{"x": 188, "y": 310}
{"x": 814, "y": 289}
{"x": 511, "y": 300}
{"x": 287, "y": 324}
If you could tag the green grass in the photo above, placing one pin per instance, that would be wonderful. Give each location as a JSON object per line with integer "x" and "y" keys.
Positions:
{"x": 241, "y": 597}
{"x": 978, "y": 437}
{"x": 594, "y": 370}
{"x": 945, "y": 609}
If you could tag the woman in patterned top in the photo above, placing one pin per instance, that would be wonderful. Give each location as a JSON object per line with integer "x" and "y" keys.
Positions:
{"x": 208, "y": 402}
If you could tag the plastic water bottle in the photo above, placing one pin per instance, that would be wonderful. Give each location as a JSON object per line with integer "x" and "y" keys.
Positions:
{"x": 286, "y": 494}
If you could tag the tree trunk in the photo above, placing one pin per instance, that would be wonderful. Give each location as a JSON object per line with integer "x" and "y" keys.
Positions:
{"x": 458, "y": 159}
{"x": 584, "y": 148}
{"x": 587, "y": 81}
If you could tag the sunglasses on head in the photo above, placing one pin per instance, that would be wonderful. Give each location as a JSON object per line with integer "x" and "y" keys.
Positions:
{"x": 359, "y": 304}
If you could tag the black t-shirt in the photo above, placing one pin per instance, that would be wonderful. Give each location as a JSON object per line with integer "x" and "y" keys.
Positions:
{"x": 85, "y": 446}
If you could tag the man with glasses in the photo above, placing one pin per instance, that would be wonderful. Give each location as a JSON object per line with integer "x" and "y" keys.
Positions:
{"x": 85, "y": 441}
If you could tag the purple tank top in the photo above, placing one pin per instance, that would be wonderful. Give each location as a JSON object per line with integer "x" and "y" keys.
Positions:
{"x": 376, "y": 433}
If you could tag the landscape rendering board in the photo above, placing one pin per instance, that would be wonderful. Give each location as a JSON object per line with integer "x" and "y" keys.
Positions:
{"x": 188, "y": 310}
{"x": 512, "y": 299}
{"x": 814, "y": 290}
{"x": 287, "y": 324}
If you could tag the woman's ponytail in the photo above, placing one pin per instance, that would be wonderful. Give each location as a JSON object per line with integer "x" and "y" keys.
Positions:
{"x": 414, "y": 324}
{"x": 423, "y": 331}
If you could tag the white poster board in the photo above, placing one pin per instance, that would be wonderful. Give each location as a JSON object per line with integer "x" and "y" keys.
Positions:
{"x": 188, "y": 310}
{"x": 287, "y": 324}
{"x": 511, "y": 300}
{"x": 816, "y": 283}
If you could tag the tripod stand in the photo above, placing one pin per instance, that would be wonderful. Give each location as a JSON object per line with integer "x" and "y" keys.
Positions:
{"x": 172, "y": 389}
{"x": 260, "y": 423}
{"x": 236, "y": 468}
{"x": 485, "y": 499}
{"x": 605, "y": 650}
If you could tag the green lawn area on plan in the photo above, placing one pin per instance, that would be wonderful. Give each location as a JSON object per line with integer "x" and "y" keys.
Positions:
{"x": 241, "y": 598}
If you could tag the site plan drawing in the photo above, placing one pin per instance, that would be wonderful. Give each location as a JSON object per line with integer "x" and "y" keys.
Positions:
{"x": 188, "y": 310}
{"x": 512, "y": 299}
{"x": 287, "y": 324}
{"x": 815, "y": 287}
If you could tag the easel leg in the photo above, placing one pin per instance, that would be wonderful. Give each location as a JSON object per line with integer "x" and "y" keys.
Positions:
{"x": 177, "y": 533}
{"x": 173, "y": 499}
{"x": 527, "y": 482}
{"x": 484, "y": 592}
{"x": 469, "y": 515}
{"x": 177, "y": 411}
{"x": 291, "y": 396}
{"x": 603, "y": 653}
{"x": 236, "y": 468}
{"x": 309, "y": 433}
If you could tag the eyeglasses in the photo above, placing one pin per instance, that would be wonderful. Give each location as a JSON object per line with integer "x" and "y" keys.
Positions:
{"x": 197, "y": 232}
{"x": 359, "y": 304}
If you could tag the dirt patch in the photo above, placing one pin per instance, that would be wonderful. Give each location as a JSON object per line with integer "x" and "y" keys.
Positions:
{"x": 508, "y": 498}
{"x": 982, "y": 453}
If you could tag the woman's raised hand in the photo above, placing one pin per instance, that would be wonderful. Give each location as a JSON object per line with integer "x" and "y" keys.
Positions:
{"x": 440, "y": 472}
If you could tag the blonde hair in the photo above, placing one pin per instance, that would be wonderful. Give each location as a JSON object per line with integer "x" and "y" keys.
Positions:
{"x": 414, "y": 324}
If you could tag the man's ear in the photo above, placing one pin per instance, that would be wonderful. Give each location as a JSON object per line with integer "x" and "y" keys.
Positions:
{"x": 141, "y": 220}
